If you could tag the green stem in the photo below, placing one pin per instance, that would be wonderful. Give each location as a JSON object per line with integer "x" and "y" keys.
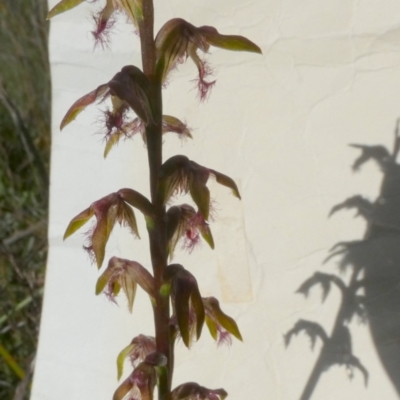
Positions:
{"x": 157, "y": 234}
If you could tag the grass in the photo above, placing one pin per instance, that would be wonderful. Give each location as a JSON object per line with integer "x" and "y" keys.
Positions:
{"x": 24, "y": 161}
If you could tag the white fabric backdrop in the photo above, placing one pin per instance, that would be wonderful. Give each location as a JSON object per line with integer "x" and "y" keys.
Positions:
{"x": 280, "y": 125}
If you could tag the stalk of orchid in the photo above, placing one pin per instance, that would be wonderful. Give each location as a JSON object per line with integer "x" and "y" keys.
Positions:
{"x": 179, "y": 309}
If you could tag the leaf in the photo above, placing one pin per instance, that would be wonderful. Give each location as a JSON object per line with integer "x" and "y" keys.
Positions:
{"x": 172, "y": 124}
{"x": 173, "y": 176}
{"x": 171, "y": 44}
{"x": 206, "y": 234}
{"x": 228, "y": 42}
{"x": 121, "y": 359}
{"x": 226, "y": 181}
{"x": 198, "y": 306}
{"x": 101, "y": 235}
{"x": 63, "y": 6}
{"x": 82, "y": 103}
{"x": 140, "y": 275}
{"x": 214, "y": 311}
{"x": 175, "y": 228}
{"x": 201, "y": 196}
{"x": 185, "y": 297}
{"x": 129, "y": 286}
{"x": 212, "y": 327}
{"x": 112, "y": 140}
{"x": 132, "y": 86}
{"x": 104, "y": 278}
{"x": 229, "y": 324}
{"x": 78, "y": 222}
{"x": 123, "y": 389}
{"x": 134, "y": 10}
{"x": 127, "y": 217}
{"x": 137, "y": 200}
{"x": 181, "y": 298}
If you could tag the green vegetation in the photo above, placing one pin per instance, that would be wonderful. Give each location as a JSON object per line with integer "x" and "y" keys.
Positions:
{"x": 24, "y": 159}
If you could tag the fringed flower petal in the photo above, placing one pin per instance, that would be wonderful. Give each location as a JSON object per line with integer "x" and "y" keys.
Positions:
{"x": 109, "y": 210}
{"x": 127, "y": 274}
{"x": 184, "y": 222}
{"x": 178, "y": 39}
{"x": 180, "y": 175}
{"x": 137, "y": 351}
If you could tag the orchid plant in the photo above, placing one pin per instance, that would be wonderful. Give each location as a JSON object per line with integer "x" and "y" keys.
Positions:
{"x": 179, "y": 309}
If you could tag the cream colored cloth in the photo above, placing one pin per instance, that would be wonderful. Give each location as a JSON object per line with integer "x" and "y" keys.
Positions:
{"x": 279, "y": 124}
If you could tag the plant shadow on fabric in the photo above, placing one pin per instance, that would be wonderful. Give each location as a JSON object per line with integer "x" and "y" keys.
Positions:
{"x": 372, "y": 294}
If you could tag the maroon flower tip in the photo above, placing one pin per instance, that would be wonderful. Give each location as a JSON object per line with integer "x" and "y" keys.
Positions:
{"x": 113, "y": 120}
{"x": 192, "y": 233}
{"x": 191, "y": 239}
{"x": 204, "y": 87}
{"x": 88, "y": 247}
{"x": 102, "y": 32}
{"x": 224, "y": 337}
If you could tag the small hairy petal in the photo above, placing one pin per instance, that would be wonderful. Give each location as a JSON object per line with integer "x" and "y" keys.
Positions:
{"x": 104, "y": 21}
{"x": 204, "y": 86}
{"x": 224, "y": 337}
{"x": 123, "y": 129}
